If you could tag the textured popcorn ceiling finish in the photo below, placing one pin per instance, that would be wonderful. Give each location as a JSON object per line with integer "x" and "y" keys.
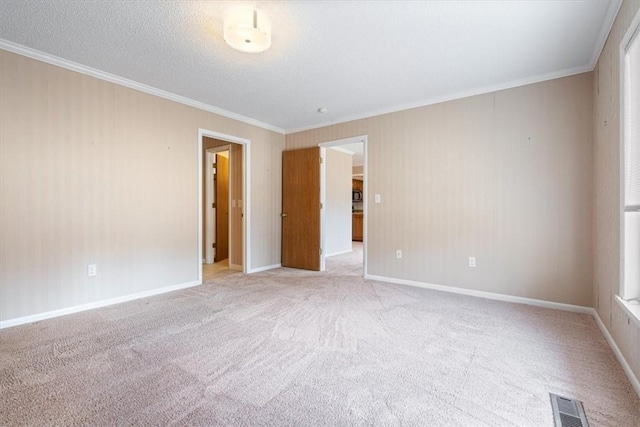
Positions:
{"x": 355, "y": 58}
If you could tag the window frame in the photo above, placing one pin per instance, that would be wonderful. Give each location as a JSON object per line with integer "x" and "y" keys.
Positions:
{"x": 632, "y": 36}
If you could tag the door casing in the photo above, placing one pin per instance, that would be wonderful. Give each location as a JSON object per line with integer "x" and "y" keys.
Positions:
{"x": 246, "y": 196}
{"x": 323, "y": 184}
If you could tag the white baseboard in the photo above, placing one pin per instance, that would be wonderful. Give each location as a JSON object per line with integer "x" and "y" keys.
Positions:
{"x": 481, "y": 294}
{"x": 235, "y": 267}
{"x": 488, "y": 295}
{"x": 265, "y": 268}
{"x": 623, "y": 362}
{"x": 91, "y": 305}
{"x": 529, "y": 301}
{"x": 339, "y": 253}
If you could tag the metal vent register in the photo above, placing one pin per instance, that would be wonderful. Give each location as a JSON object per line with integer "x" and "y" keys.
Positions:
{"x": 567, "y": 412}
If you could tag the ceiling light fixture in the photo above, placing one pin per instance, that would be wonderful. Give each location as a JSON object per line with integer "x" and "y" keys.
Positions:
{"x": 247, "y": 30}
{"x": 322, "y": 110}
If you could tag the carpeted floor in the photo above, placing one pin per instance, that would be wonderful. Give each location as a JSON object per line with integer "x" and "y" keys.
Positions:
{"x": 288, "y": 347}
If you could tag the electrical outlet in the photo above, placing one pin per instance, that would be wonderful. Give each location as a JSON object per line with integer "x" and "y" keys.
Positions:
{"x": 399, "y": 253}
{"x": 92, "y": 270}
{"x": 472, "y": 261}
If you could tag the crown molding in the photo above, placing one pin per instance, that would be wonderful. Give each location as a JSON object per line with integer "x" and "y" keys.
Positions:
{"x": 83, "y": 69}
{"x": 607, "y": 24}
{"x": 609, "y": 20}
{"x": 452, "y": 97}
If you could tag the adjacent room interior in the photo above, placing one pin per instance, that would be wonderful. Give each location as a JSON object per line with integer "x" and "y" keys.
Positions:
{"x": 222, "y": 208}
{"x": 320, "y": 213}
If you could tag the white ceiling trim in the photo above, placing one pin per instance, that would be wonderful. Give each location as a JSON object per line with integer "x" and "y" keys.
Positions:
{"x": 612, "y": 13}
{"x": 345, "y": 141}
{"x": 452, "y": 97}
{"x": 73, "y": 66}
{"x": 607, "y": 24}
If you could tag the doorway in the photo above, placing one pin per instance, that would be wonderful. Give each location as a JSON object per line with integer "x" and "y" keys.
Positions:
{"x": 223, "y": 216}
{"x": 340, "y": 209}
{"x": 217, "y": 202}
{"x": 308, "y": 224}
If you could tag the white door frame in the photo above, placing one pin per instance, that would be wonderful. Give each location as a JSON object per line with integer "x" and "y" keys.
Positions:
{"x": 246, "y": 195}
{"x": 323, "y": 237}
{"x": 210, "y": 235}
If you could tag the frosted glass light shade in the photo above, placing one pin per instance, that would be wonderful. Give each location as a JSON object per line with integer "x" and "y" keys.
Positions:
{"x": 247, "y": 30}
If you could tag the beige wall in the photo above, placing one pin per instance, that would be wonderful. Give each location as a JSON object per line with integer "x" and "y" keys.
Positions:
{"x": 606, "y": 195}
{"x": 505, "y": 177}
{"x": 337, "y": 206}
{"x": 92, "y": 172}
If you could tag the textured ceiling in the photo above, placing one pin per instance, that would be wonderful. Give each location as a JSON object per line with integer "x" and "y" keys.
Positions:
{"x": 356, "y": 58}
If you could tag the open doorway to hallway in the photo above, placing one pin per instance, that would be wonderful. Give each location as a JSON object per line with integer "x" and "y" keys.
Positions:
{"x": 222, "y": 208}
{"x": 344, "y": 204}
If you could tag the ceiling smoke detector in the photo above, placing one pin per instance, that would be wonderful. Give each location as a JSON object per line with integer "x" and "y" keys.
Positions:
{"x": 322, "y": 110}
{"x": 247, "y": 30}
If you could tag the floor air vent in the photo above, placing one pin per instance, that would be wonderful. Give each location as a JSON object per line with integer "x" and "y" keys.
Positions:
{"x": 568, "y": 412}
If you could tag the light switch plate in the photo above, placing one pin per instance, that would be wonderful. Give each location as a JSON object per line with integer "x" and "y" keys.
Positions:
{"x": 377, "y": 198}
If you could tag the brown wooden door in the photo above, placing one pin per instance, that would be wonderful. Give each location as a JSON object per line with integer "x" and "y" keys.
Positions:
{"x": 301, "y": 208}
{"x": 221, "y": 182}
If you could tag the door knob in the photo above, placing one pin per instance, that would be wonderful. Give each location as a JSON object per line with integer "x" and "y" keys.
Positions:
{"x": 283, "y": 215}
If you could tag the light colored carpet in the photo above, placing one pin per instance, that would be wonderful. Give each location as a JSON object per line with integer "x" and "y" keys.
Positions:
{"x": 289, "y": 347}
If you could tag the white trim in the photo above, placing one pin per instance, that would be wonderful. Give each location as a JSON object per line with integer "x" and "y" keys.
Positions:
{"x": 102, "y": 75}
{"x": 625, "y": 366}
{"x": 344, "y": 141}
{"x": 91, "y": 305}
{"x": 246, "y": 194}
{"x": 632, "y": 310}
{"x": 365, "y": 203}
{"x": 622, "y": 53}
{"x": 487, "y": 295}
{"x": 265, "y": 268}
{"x": 83, "y": 69}
{"x": 200, "y": 201}
{"x": 450, "y": 97}
{"x": 607, "y": 24}
{"x": 323, "y": 204}
{"x": 339, "y": 253}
